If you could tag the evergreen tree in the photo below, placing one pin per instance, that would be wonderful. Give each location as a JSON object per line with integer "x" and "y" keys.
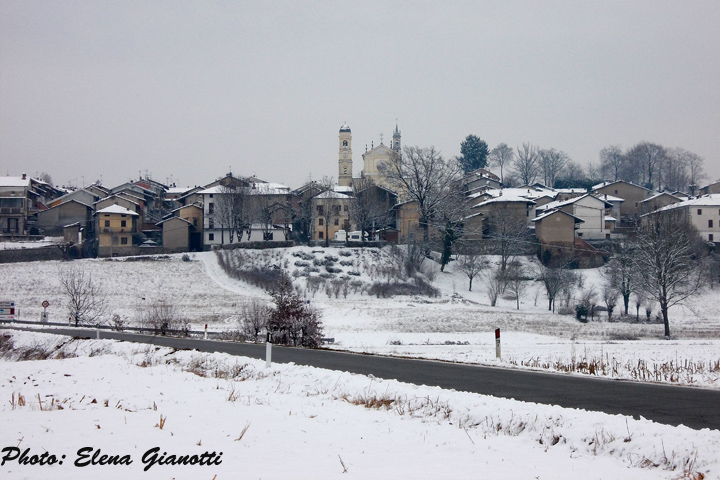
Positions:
{"x": 474, "y": 153}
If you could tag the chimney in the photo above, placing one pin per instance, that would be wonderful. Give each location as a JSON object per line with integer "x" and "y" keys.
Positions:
{"x": 24, "y": 177}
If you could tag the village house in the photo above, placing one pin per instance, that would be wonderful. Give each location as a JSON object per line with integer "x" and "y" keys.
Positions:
{"x": 703, "y": 212}
{"x": 710, "y": 189}
{"x": 631, "y": 194}
{"x": 590, "y": 209}
{"x": 331, "y": 213}
{"x": 657, "y": 201}
{"x": 116, "y": 227}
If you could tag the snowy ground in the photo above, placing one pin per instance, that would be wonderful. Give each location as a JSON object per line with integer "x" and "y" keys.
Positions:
{"x": 14, "y": 244}
{"x": 457, "y": 326}
{"x": 316, "y": 419}
{"x": 124, "y": 400}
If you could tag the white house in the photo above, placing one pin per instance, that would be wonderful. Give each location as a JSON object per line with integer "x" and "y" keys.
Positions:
{"x": 703, "y": 212}
{"x": 590, "y": 209}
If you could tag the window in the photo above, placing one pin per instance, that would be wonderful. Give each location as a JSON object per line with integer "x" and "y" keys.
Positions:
{"x": 345, "y": 208}
{"x": 337, "y": 221}
{"x": 123, "y": 223}
{"x": 710, "y": 224}
{"x": 699, "y": 211}
{"x": 107, "y": 223}
{"x": 320, "y": 235}
{"x": 211, "y": 237}
{"x": 336, "y": 209}
{"x": 123, "y": 240}
{"x": 616, "y": 192}
{"x": 320, "y": 221}
{"x": 320, "y": 210}
{"x": 194, "y": 222}
{"x": 211, "y": 208}
{"x": 710, "y": 237}
{"x": 211, "y": 223}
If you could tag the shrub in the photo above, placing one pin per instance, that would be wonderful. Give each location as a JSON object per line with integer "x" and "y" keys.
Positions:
{"x": 581, "y": 313}
{"x": 164, "y": 319}
{"x": 291, "y": 321}
{"x": 253, "y": 321}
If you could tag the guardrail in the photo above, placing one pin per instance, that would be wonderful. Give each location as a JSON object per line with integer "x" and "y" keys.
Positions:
{"x": 144, "y": 329}
{"x": 224, "y": 336}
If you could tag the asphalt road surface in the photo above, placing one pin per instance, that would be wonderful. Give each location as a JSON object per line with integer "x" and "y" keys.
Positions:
{"x": 673, "y": 405}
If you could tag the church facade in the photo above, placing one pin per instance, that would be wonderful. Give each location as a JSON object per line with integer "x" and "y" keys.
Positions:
{"x": 371, "y": 158}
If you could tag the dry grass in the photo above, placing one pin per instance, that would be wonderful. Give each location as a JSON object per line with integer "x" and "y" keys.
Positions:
{"x": 161, "y": 423}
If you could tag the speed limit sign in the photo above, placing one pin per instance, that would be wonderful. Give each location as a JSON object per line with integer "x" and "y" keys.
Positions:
{"x": 45, "y": 304}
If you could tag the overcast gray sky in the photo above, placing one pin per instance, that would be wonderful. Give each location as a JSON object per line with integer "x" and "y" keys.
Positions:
{"x": 188, "y": 90}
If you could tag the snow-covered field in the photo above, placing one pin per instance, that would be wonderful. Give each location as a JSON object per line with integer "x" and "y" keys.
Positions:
{"x": 313, "y": 423}
{"x": 125, "y": 400}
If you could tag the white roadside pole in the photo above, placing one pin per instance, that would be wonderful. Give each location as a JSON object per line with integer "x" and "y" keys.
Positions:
{"x": 268, "y": 352}
{"x": 206, "y": 331}
{"x": 497, "y": 343}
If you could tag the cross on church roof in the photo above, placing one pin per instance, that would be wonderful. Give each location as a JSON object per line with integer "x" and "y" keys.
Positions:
{"x": 381, "y": 138}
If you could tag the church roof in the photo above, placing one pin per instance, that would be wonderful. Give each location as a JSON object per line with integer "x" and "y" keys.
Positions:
{"x": 344, "y": 128}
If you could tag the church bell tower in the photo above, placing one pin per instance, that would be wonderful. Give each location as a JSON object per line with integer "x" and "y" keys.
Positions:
{"x": 345, "y": 156}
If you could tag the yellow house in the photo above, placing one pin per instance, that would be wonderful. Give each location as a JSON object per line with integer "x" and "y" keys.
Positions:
{"x": 331, "y": 213}
{"x": 116, "y": 226}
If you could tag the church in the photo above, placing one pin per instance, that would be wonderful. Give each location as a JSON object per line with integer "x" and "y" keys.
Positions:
{"x": 371, "y": 158}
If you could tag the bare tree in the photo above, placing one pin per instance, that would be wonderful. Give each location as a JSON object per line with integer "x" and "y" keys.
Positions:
{"x": 555, "y": 280}
{"x": 508, "y": 237}
{"x": 696, "y": 171}
{"x": 515, "y": 277}
{"x": 620, "y": 271}
{"x": 85, "y": 300}
{"x": 526, "y": 164}
{"x": 471, "y": 264}
{"x": 501, "y": 156}
{"x": 587, "y": 305}
{"x": 683, "y": 170}
{"x": 448, "y": 221}
{"x": 551, "y": 164}
{"x": 370, "y": 208}
{"x": 594, "y": 174}
{"x": 648, "y": 156}
{"x": 667, "y": 258}
{"x": 610, "y": 295}
{"x": 612, "y": 162}
{"x": 231, "y": 211}
{"x": 254, "y": 316}
{"x": 494, "y": 284}
{"x": 422, "y": 175}
{"x": 572, "y": 176}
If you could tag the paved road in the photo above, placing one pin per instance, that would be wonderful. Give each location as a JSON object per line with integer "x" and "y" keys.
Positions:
{"x": 694, "y": 407}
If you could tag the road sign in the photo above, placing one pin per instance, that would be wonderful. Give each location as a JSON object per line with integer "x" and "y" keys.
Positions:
{"x": 45, "y": 304}
{"x": 7, "y": 310}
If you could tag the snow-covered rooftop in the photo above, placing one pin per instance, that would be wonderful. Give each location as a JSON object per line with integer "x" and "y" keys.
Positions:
{"x": 711, "y": 200}
{"x": 649, "y": 199}
{"x": 545, "y": 215}
{"x": 14, "y": 182}
{"x": 117, "y": 209}
{"x": 331, "y": 194}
